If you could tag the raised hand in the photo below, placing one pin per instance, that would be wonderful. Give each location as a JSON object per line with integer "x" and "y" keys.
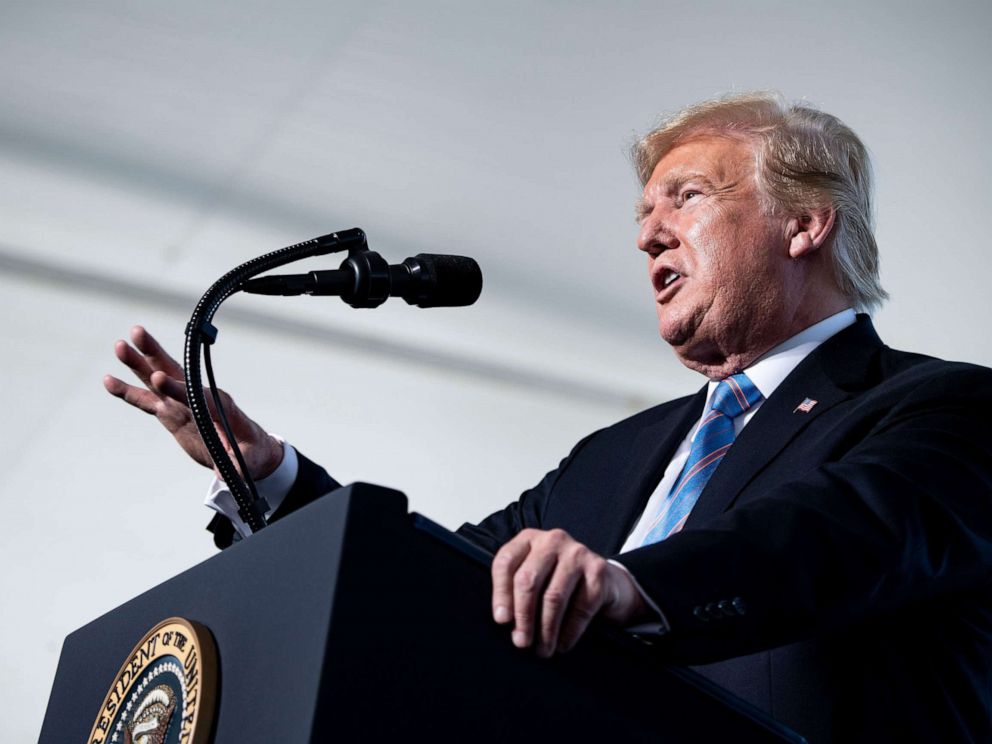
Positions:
{"x": 164, "y": 396}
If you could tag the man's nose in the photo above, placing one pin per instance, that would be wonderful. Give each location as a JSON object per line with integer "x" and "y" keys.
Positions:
{"x": 656, "y": 235}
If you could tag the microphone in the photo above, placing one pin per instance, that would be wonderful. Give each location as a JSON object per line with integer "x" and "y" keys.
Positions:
{"x": 365, "y": 279}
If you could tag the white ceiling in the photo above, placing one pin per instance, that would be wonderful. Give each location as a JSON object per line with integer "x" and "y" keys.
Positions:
{"x": 176, "y": 139}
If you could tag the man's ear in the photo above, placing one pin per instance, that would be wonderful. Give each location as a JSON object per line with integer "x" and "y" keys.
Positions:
{"x": 810, "y": 231}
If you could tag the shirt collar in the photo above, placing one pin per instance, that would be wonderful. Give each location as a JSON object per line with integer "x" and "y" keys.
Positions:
{"x": 768, "y": 372}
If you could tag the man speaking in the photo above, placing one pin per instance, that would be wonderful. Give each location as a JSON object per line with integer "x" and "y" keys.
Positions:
{"x": 812, "y": 529}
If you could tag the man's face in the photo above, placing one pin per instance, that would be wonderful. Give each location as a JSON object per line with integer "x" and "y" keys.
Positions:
{"x": 718, "y": 262}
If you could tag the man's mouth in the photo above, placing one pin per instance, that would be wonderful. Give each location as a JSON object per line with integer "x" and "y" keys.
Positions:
{"x": 667, "y": 279}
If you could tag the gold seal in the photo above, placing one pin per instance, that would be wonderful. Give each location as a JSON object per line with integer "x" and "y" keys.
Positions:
{"x": 165, "y": 691}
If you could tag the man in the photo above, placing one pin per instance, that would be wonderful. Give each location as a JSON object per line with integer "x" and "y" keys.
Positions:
{"x": 812, "y": 529}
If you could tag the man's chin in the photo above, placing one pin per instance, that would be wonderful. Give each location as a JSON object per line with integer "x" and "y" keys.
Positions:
{"x": 693, "y": 350}
{"x": 676, "y": 335}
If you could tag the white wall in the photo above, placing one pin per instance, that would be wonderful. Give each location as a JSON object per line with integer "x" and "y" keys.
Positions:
{"x": 147, "y": 148}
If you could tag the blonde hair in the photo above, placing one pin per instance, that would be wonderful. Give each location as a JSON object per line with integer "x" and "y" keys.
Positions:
{"x": 805, "y": 159}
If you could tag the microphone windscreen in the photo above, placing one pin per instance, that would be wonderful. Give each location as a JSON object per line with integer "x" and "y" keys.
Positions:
{"x": 447, "y": 281}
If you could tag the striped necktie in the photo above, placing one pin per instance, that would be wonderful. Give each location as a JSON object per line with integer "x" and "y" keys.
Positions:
{"x": 733, "y": 396}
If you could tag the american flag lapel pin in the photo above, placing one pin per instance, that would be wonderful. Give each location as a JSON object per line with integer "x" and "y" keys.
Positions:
{"x": 806, "y": 406}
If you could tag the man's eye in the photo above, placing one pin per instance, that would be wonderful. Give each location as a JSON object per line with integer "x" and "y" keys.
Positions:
{"x": 686, "y": 195}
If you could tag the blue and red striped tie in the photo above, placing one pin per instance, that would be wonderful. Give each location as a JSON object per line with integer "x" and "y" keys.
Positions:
{"x": 732, "y": 397}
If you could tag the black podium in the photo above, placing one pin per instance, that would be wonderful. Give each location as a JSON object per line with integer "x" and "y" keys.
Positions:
{"x": 354, "y": 620}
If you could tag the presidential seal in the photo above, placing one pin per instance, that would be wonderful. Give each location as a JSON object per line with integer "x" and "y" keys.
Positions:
{"x": 165, "y": 691}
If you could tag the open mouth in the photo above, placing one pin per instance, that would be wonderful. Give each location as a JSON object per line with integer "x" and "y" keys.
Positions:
{"x": 666, "y": 280}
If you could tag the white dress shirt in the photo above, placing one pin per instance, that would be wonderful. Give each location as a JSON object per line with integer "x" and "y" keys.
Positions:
{"x": 273, "y": 488}
{"x": 767, "y": 373}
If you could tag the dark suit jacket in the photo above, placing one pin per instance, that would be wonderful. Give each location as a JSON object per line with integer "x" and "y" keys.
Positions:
{"x": 836, "y": 569}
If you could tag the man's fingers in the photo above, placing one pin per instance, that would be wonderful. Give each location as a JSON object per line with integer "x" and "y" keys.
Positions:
{"x": 162, "y": 374}
{"x": 134, "y": 360}
{"x": 528, "y": 588}
{"x": 555, "y": 603}
{"x": 160, "y": 358}
{"x": 505, "y": 564}
{"x": 169, "y": 387}
{"x": 140, "y": 398}
{"x": 114, "y": 386}
{"x": 577, "y": 621}
{"x": 552, "y": 586}
{"x": 586, "y": 603}
{"x": 176, "y": 390}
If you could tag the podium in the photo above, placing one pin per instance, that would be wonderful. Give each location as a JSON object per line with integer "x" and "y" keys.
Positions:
{"x": 355, "y": 620}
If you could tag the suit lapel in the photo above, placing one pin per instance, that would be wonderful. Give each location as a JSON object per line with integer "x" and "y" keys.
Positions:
{"x": 828, "y": 376}
{"x": 649, "y": 455}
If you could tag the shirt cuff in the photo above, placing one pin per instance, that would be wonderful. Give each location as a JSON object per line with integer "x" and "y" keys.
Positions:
{"x": 658, "y": 628}
{"x": 273, "y": 488}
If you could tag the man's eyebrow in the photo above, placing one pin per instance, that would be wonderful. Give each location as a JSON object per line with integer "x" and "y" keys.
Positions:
{"x": 676, "y": 181}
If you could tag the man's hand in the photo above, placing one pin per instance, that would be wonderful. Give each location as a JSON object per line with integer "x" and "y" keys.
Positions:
{"x": 164, "y": 396}
{"x": 548, "y": 579}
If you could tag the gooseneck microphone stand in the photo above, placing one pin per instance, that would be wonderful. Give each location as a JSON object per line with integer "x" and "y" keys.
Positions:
{"x": 201, "y": 334}
{"x": 364, "y": 280}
